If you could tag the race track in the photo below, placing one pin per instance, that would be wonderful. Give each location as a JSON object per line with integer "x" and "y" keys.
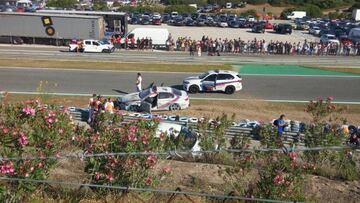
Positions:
{"x": 343, "y": 89}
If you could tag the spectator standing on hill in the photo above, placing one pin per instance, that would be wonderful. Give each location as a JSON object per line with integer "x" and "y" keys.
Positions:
{"x": 109, "y": 106}
{"x": 280, "y": 124}
{"x": 91, "y": 105}
{"x": 138, "y": 82}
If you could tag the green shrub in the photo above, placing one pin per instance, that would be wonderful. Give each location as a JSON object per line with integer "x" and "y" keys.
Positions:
{"x": 180, "y": 9}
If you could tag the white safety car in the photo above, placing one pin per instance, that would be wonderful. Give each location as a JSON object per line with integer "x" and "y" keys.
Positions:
{"x": 215, "y": 80}
{"x": 154, "y": 99}
{"x": 94, "y": 46}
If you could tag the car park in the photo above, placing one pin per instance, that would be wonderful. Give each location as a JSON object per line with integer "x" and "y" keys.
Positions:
{"x": 213, "y": 81}
{"x": 154, "y": 99}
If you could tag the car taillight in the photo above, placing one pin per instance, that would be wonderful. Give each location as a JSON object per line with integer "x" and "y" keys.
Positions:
{"x": 187, "y": 98}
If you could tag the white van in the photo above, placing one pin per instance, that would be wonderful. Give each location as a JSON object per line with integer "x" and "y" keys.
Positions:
{"x": 228, "y": 5}
{"x": 24, "y": 3}
{"x": 174, "y": 14}
{"x": 354, "y": 35}
{"x": 296, "y": 14}
{"x": 159, "y": 36}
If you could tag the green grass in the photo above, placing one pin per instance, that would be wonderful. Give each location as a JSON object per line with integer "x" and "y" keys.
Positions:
{"x": 110, "y": 65}
{"x": 264, "y": 69}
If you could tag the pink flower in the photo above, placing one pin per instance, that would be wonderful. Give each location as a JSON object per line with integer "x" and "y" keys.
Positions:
{"x": 5, "y": 130}
{"x": 129, "y": 163}
{"x": 97, "y": 175}
{"x": 61, "y": 131}
{"x": 23, "y": 140}
{"x": 279, "y": 179}
{"x": 110, "y": 177}
{"x": 145, "y": 140}
{"x": 50, "y": 120}
{"x": 167, "y": 169}
{"x": 330, "y": 98}
{"x": 132, "y": 137}
{"x": 7, "y": 168}
{"x": 148, "y": 180}
{"x": 28, "y": 111}
{"x": 293, "y": 155}
{"x": 151, "y": 161}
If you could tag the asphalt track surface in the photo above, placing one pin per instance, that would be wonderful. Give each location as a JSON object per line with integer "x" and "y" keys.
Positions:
{"x": 34, "y": 52}
{"x": 343, "y": 89}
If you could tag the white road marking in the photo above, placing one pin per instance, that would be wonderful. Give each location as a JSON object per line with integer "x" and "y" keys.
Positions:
{"x": 192, "y": 98}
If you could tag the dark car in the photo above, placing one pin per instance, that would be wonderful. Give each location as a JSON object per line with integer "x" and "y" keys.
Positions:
{"x": 258, "y": 28}
{"x": 283, "y": 28}
{"x": 179, "y": 21}
{"x": 189, "y": 22}
{"x": 134, "y": 20}
{"x": 145, "y": 20}
{"x": 200, "y": 22}
{"x": 234, "y": 24}
{"x": 165, "y": 17}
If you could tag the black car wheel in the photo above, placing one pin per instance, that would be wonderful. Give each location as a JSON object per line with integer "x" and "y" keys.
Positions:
{"x": 230, "y": 90}
{"x": 194, "y": 89}
{"x": 174, "y": 107}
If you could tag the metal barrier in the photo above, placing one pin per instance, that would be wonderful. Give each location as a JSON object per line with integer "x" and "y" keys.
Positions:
{"x": 82, "y": 115}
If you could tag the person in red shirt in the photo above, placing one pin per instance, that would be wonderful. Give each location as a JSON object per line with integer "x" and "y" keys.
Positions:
{"x": 132, "y": 43}
{"x": 118, "y": 41}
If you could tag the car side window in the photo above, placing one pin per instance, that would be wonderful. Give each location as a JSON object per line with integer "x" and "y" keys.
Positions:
{"x": 211, "y": 78}
{"x": 96, "y": 44}
{"x": 225, "y": 77}
{"x": 165, "y": 95}
{"x": 87, "y": 42}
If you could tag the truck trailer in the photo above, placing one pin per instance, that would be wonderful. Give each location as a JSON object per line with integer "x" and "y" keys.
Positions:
{"x": 52, "y": 29}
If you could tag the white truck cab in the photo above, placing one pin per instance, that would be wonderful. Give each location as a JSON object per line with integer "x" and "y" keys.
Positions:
{"x": 94, "y": 46}
{"x": 296, "y": 14}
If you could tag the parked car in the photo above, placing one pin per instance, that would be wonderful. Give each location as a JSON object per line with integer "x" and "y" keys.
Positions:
{"x": 328, "y": 38}
{"x": 258, "y": 28}
{"x": 154, "y": 99}
{"x": 218, "y": 80}
{"x": 314, "y": 31}
{"x": 283, "y": 28}
{"x": 234, "y": 24}
{"x": 268, "y": 25}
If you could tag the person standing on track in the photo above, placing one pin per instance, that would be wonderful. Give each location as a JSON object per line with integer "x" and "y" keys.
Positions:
{"x": 139, "y": 82}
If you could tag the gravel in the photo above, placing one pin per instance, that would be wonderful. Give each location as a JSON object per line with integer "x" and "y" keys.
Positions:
{"x": 230, "y": 33}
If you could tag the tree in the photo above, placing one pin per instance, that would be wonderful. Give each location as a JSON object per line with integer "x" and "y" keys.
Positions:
{"x": 61, "y": 3}
{"x": 100, "y": 5}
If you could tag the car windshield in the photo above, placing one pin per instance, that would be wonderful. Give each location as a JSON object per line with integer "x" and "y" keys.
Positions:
{"x": 187, "y": 139}
{"x": 331, "y": 37}
{"x": 144, "y": 93}
{"x": 202, "y": 76}
{"x": 177, "y": 92}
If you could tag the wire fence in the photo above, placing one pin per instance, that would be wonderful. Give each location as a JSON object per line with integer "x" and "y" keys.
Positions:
{"x": 152, "y": 190}
{"x": 81, "y": 155}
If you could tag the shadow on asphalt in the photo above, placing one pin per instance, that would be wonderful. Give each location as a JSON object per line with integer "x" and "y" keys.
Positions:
{"x": 119, "y": 91}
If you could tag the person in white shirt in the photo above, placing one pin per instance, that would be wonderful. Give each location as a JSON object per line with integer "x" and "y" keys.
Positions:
{"x": 138, "y": 82}
{"x": 109, "y": 106}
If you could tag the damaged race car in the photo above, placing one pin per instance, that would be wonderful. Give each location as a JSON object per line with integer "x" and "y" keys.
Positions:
{"x": 154, "y": 99}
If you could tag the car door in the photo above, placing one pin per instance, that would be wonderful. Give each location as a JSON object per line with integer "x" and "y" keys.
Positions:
{"x": 96, "y": 46}
{"x": 165, "y": 99}
{"x": 87, "y": 46}
{"x": 223, "y": 80}
{"x": 208, "y": 83}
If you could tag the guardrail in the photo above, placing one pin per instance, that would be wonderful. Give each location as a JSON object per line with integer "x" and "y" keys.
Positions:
{"x": 82, "y": 115}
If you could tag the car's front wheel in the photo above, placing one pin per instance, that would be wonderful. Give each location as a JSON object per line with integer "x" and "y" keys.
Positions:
{"x": 194, "y": 89}
{"x": 174, "y": 107}
{"x": 230, "y": 90}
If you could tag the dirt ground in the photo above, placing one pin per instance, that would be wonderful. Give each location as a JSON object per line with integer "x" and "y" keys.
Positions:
{"x": 252, "y": 110}
{"x": 210, "y": 178}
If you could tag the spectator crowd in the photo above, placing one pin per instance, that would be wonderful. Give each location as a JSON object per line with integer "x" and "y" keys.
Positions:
{"x": 255, "y": 46}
